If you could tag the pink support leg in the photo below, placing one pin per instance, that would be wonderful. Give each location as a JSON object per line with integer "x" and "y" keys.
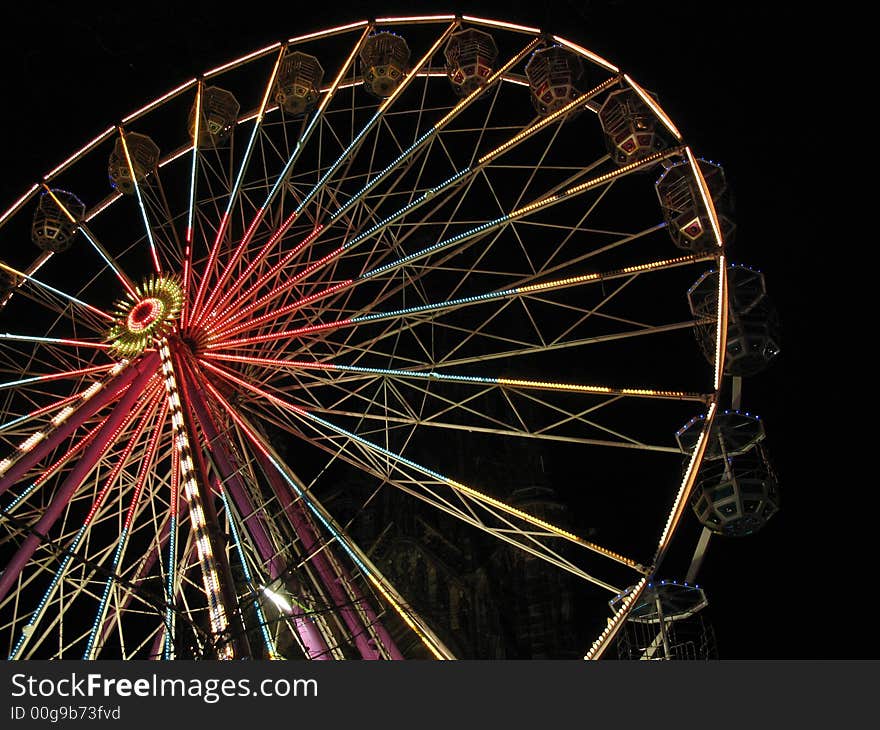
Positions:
{"x": 329, "y": 576}
{"x": 108, "y": 393}
{"x": 312, "y": 639}
{"x": 91, "y": 455}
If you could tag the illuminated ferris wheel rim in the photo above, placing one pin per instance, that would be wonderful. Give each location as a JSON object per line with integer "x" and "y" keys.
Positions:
{"x": 301, "y": 39}
{"x": 144, "y": 313}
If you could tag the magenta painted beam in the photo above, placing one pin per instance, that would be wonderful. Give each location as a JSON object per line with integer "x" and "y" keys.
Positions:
{"x": 312, "y": 639}
{"x": 86, "y": 463}
{"x": 329, "y": 577}
{"x": 228, "y": 471}
{"x": 109, "y": 392}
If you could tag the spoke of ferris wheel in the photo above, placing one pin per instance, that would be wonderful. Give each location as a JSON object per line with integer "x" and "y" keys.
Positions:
{"x": 197, "y": 131}
{"x": 458, "y": 178}
{"x": 313, "y": 124}
{"x": 145, "y": 468}
{"x": 622, "y": 442}
{"x": 601, "y": 644}
{"x": 406, "y": 154}
{"x": 140, "y": 200}
{"x": 70, "y": 298}
{"x": 440, "y": 307}
{"x": 271, "y": 650}
{"x": 38, "y": 444}
{"x": 332, "y": 580}
{"x": 526, "y": 540}
{"x": 522, "y": 292}
{"x": 73, "y": 480}
{"x": 207, "y": 560}
{"x": 472, "y": 233}
{"x": 369, "y": 344}
{"x": 456, "y": 486}
{"x": 64, "y": 375}
{"x": 434, "y": 376}
{"x": 236, "y": 186}
{"x": 102, "y": 252}
{"x": 38, "y": 613}
{"x": 682, "y": 498}
{"x": 18, "y": 204}
{"x": 370, "y": 571}
{"x": 54, "y": 341}
{"x": 190, "y": 216}
{"x": 171, "y": 570}
{"x": 257, "y": 531}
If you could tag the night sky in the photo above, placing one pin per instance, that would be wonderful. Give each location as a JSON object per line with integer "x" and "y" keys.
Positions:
{"x": 728, "y": 77}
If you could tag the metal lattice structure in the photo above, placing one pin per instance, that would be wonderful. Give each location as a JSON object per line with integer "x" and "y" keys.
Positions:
{"x": 366, "y": 294}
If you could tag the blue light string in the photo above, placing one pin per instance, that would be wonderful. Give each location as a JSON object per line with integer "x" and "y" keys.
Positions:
{"x": 241, "y": 170}
{"x": 437, "y": 305}
{"x": 409, "y": 206}
{"x": 35, "y": 617}
{"x": 376, "y": 180}
{"x": 261, "y": 617}
{"x": 335, "y": 166}
{"x": 169, "y": 585}
{"x": 123, "y": 537}
{"x": 436, "y": 247}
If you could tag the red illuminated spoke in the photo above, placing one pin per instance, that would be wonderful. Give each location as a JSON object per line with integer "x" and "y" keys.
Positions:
{"x": 440, "y": 308}
{"x": 314, "y": 123}
{"x": 333, "y": 255}
{"x": 390, "y": 268}
{"x": 94, "y": 452}
{"x": 224, "y": 221}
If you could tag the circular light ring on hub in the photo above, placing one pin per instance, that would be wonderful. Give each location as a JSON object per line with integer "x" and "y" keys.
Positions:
{"x": 144, "y": 314}
{"x": 148, "y": 313}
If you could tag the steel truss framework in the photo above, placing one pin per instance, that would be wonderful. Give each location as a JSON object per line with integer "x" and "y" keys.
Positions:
{"x": 374, "y": 288}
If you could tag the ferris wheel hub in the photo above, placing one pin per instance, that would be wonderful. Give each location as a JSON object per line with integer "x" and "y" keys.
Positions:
{"x": 147, "y": 313}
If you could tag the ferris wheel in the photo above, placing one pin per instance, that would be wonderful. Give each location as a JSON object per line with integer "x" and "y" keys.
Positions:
{"x": 438, "y": 262}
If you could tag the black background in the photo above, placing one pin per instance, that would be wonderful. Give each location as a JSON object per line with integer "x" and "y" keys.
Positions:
{"x": 741, "y": 86}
